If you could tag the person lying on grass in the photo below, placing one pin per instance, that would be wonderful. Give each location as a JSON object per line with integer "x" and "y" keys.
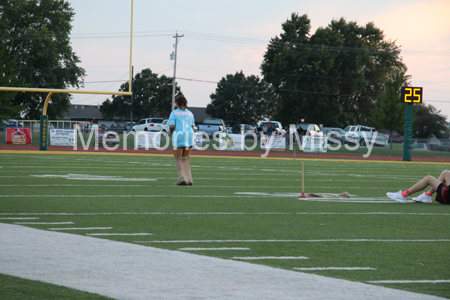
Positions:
{"x": 439, "y": 185}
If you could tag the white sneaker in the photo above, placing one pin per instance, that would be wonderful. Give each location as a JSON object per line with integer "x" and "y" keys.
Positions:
{"x": 423, "y": 198}
{"x": 397, "y": 196}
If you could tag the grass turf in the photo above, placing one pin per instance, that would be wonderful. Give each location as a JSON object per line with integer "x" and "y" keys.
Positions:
{"x": 14, "y": 288}
{"x": 250, "y": 203}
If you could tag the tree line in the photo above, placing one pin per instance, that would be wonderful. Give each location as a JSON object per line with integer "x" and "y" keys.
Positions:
{"x": 339, "y": 75}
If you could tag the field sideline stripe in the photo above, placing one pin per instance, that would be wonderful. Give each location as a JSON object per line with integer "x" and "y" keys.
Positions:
{"x": 221, "y": 156}
{"x": 216, "y": 213}
{"x": 292, "y": 241}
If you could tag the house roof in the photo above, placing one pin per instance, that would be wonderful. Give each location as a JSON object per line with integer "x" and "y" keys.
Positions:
{"x": 199, "y": 114}
{"x": 86, "y": 112}
{"x": 92, "y": 112}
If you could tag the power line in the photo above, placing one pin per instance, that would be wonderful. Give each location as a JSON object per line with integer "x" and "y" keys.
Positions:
{"x": 233, "y": 84}
{"x": 221, "y": 38}
{"x": 279, "y": 89}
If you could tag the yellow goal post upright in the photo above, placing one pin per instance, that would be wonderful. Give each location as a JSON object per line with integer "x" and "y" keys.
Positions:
{"x": 43, "y": 136}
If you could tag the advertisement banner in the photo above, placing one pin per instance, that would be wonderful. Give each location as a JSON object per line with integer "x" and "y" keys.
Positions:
{"x": 18, "y": 136}
{"x": 231, "y": 141}
{"x": 198, "y": 141}
{"x": 315, "y": 143}
{"x": 278, "y": 142}
{"x": 148, "y": 139}
{"x": 62, "y": 137}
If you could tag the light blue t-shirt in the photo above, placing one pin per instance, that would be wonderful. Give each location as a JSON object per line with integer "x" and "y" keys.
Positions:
{"x": 183, "y": 135}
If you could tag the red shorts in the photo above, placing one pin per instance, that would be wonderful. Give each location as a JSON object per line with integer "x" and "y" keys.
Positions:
{"x": 442, "y": 194}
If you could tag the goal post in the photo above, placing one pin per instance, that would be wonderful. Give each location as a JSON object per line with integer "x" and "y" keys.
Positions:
{"x": 43, "y": 139}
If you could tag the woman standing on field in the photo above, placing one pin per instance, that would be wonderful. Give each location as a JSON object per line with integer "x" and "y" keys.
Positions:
{"x": 181, "y": 125}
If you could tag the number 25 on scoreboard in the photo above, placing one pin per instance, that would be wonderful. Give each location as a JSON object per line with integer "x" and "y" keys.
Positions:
{"x": 411, "y": 95}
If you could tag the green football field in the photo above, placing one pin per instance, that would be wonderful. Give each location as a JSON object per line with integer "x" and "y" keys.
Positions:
{"x": 244, "y": 209}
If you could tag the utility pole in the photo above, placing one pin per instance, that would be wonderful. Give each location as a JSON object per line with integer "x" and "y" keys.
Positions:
{"x": 173, "y": 57}
{"x": 132, "y": 96}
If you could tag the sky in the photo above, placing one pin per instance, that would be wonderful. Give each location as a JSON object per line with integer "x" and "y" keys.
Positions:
{"x": 225, "y": 37}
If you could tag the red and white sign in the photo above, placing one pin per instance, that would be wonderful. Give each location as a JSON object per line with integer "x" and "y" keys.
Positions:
{"x": 18, "y": 136}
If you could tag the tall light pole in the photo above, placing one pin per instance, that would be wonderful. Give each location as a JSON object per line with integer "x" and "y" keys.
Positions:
{"x": 174, "y": 58}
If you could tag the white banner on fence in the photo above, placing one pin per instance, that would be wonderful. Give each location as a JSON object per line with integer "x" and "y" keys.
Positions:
{"x": 62, "y": 137}
{"x": 148, "y": 140}
{"x": 314, "y": 143}
{"x": 277, "y": 143}
{"x": 198, "y": 141}
{"x": 231, "y": 141}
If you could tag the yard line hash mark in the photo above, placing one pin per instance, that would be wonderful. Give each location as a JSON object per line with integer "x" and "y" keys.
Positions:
{"x": 43, "y": 223}
{"x": 121, "y": 234}
{"x": 19, "y": 218}
{"x": 81, "y": 228}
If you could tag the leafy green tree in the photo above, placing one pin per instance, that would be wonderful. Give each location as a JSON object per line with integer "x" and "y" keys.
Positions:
{"x": 332, "y": 77}
{"x": 389, "y": 112}
{"x": 429, "y": 121}
{"x": 37, "y": 32}
{"x": 8, "y": 78}
{"x": 284, "y": 65}
{"x": 244, "y": 99}
{"x": 151, "y": 95}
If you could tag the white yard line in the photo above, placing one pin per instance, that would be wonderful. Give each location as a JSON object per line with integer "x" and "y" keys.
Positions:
{"x": 120, "y": 234}
{"x": 257, "y": 196}
{"x": 410, "y": 281}
{"x": 81, "y": 228}
{"x": 334, "y": 268}
{"x": 245, "y": 177}
{"x": 213, "y": 249}
{"x": 269, "y": 257}
{"x": 129, "y": 271}
{"x": 216, "y": 213}
{"x": 194, "y": 186}
{"x": 43, "y": 223}
{"x": 18, "y": 218}
{"x": 296, "y": 241}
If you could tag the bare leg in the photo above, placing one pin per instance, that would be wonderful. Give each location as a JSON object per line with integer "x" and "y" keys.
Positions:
{"x": 445, "y": 177}
{"x": 178, "y": 156}
{"x": 430, "y": 180}
{"x": 187, "y": 165}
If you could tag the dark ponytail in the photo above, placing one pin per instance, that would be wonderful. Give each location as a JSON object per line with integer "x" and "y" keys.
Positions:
{"x": 181, "y": 102}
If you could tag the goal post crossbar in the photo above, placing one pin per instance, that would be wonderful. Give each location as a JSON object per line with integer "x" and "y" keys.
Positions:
{"x": 63, "y": 91}
{"x": 60, "y": 91}
{"x": 43, "y": 139}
